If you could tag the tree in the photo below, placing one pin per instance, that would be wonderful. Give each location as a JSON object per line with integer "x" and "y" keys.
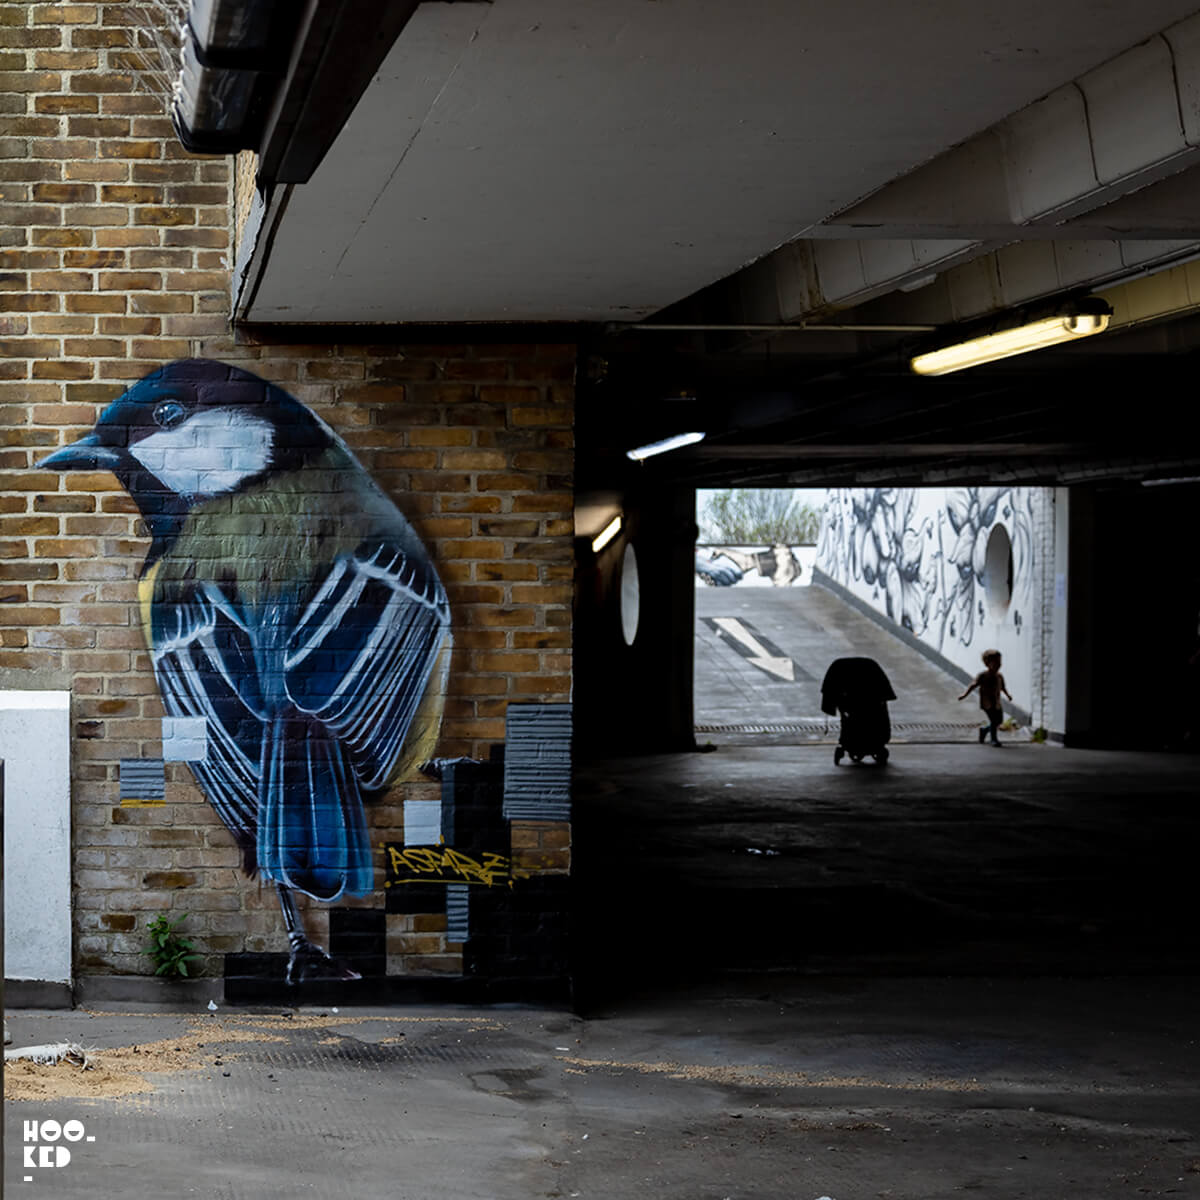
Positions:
{"x": 758, "y": 517}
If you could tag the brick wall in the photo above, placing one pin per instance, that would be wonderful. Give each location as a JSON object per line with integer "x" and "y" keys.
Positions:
{"x": 115, "y": 258}
{"x": 245, "y": 168}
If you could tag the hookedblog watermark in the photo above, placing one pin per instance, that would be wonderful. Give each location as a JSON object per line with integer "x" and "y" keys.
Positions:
{"x": 48, "y": 1144}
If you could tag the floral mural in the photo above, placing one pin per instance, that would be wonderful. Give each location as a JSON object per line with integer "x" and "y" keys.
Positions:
{"x": 921, "y": 556}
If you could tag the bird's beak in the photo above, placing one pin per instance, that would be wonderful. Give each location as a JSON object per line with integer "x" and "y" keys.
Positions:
{"x": 87, "y": 454}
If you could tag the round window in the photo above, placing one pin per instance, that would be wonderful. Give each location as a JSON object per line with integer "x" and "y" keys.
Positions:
{"x": 630, "y": 595}
{"x": 998, "y": 571}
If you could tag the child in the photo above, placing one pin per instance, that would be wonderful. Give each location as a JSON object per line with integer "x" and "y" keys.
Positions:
{"x": 990, "y": 684}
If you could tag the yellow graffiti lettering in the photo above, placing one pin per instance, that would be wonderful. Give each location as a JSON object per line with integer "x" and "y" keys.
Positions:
{"x": 407, "y": 864}
{"x": 423, "y": 860}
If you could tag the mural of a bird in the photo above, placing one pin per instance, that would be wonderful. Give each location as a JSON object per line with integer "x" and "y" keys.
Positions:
{"x": 288, "y": 603}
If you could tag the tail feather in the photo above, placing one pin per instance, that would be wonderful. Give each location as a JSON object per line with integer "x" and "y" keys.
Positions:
{"x": 312, "y": 833}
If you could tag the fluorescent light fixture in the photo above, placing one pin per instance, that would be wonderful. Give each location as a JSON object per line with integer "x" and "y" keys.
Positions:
{"x": 1170, "y": 482}
{"x": 1065, "y": 327}
{"x": 671, "y": 443}
{"x": 607, "y": 534}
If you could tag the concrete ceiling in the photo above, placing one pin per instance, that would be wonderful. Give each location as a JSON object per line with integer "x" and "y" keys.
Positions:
{"x": 530, "y": 160}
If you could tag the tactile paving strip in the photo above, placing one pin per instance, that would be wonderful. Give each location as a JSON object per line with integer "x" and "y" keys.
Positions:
{"x": 358, "y": 1056}
{"x": 828, "y": 730}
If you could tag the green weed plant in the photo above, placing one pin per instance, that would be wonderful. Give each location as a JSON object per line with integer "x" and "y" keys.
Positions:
{"x": 171, "y": 953}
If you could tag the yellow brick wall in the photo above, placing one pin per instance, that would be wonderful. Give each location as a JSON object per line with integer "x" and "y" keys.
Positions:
{"x": 115, "y": 250}
{"x": 245, "y": 168}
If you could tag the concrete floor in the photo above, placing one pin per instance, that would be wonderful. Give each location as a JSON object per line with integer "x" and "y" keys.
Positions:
{"x": 972, "y": 971}
{"x": 768, "y": 1087}
{"x": 952, "y": 857}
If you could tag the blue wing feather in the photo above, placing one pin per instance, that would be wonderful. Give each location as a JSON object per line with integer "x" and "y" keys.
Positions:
{"x": 362, "y": 652}
{"x": 203, "y": 657}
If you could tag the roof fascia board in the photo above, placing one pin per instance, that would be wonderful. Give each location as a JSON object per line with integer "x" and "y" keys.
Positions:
{"x": 339, "y": 47}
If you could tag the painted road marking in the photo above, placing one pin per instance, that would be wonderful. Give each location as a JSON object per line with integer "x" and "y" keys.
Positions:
{"x": 759, "y": 655}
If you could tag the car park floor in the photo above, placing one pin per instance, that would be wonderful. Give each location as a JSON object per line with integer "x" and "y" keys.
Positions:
{"x": 973, "y": 971}
{"x": 970, "y": 972}
{"x": 772, "y": 1086}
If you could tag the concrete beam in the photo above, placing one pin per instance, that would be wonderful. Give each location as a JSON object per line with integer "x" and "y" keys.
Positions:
{"x": 1087, "y": 186}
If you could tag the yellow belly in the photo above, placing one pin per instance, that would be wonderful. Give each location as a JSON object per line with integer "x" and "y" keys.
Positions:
{"x": 146, "y": 602}
{"x": 426, "y": 726}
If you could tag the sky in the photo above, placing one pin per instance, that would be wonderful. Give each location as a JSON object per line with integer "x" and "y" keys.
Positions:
{"x": 813, "y": 497}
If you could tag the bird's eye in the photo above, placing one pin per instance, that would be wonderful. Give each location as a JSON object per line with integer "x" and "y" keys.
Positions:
{"x": 169, "y": 413}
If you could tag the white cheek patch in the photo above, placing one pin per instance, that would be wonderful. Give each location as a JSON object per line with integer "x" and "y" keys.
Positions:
{"x": 209, "y": 454}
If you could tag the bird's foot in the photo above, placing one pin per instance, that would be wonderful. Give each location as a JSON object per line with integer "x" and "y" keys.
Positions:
{"x": 308, "y": 962}
{"x": 435, "y": 768}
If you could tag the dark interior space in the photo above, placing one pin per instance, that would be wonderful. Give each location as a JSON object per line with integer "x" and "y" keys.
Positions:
{"x": 1043, "y": 860}
{"x": 951, "y": 860}
{"x": 814, "y": 409}
{"x": 1135, "y": 615}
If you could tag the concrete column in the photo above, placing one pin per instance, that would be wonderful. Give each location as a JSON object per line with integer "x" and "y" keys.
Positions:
{"x": 1079, "y": 607}
{"x": 638, "y": 696}
{"x": 1054, "y": 615}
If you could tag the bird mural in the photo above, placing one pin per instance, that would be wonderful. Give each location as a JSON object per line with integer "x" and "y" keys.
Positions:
{"x": 288, "y": 603}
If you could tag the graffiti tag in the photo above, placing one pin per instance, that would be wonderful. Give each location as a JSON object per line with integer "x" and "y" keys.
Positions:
{"x": 444, "y": 864}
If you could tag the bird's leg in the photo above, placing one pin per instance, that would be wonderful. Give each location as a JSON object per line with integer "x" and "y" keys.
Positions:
{"x": 307, "y": 960}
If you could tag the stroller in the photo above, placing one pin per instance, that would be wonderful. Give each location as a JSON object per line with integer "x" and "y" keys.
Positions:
{"x": 859, "y": 690}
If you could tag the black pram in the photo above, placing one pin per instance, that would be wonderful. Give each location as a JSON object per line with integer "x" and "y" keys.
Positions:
{"x": 859, "y": 690}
